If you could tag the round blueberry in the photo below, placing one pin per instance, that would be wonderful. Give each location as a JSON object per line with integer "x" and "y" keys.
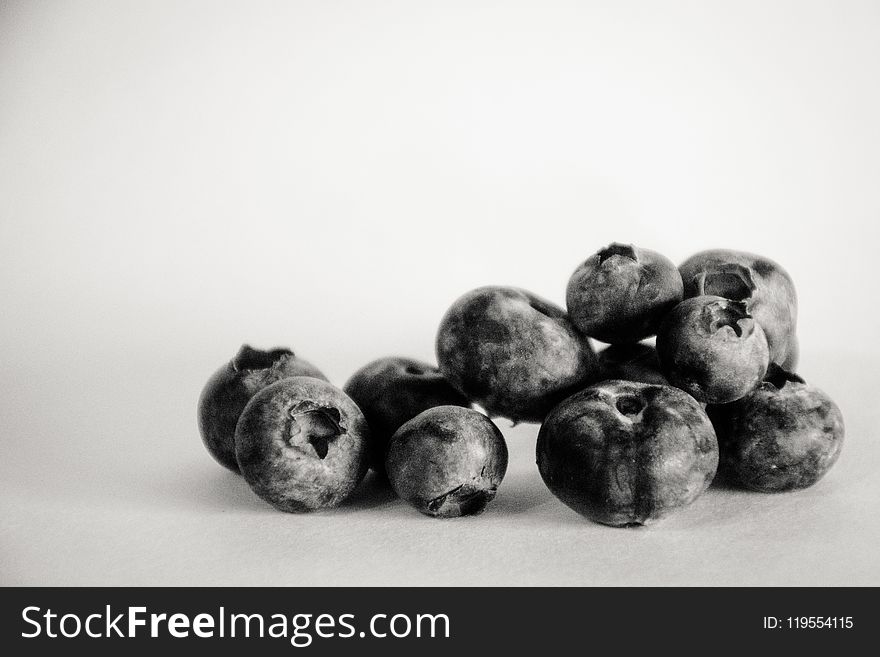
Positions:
{"x": 621, "y": 293}
{"x": 447, "y": 461}
{"x": 626, "y": 453}
{"x": 713, "y": 349}
{"x": 301, "y": 444}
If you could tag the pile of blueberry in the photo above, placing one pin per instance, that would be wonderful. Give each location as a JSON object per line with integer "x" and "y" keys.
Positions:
{"x": 627, "y": 435}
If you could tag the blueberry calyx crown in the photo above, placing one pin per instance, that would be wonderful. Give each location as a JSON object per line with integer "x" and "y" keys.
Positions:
{"x": 730, "y": 281}
{"x": 249, "y": 359}
{"x": 778, "y": 377}
{"x": 726, "y": 312}
{"x": 617, "y": 249}
{"x": 315, "y": 424}
{"x": 630, "y": 405}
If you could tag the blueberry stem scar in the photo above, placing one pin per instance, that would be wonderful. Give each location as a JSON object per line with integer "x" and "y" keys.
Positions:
{"x": 319, "y": 425}
{"x": 729, "y": 313}
{"x": 630, "y": 405}
{"x": 625, "y": 250}
{"x": 731, "y": 282}
{"x": 249, "y": 358}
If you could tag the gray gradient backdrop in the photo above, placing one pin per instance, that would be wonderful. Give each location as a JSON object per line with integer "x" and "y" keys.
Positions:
{"x": 177, "y": 178}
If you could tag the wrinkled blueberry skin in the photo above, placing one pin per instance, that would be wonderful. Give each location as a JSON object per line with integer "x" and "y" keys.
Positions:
{"x": 625, "y": 453}
{"x": 621, "y": 293}
{"x": 783, "y": 436}
{"x": 447, "y": 461}
{"x": 231, "y": 387}
{"x": 393, "y": 390}
{"x": 711, "y": 348}
{"x": 512, "y": 352}
{"x": 302, "y": 444}
{"x": 631, "y": 362}
{"x": 765, "y": 287}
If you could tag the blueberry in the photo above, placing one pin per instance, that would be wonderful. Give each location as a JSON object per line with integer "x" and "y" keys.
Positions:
{"x": 301, "y": 444}
{"x": 621, "y": 293}
{"x": 783, "y": 436}
{"x": 447, "y": 461}
{"x": 626, "y": 453}
{"x": 713, "y": 349}
{"x": 512, "y": 352}
{"x": 393, "y": 390}
{"x": 228, "y": 390}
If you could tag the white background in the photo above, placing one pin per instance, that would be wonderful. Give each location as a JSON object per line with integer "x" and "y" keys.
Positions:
{"x": 177, "y": 178}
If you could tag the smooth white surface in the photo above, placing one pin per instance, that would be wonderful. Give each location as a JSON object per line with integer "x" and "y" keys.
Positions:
{"x": 179, "y": 178}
